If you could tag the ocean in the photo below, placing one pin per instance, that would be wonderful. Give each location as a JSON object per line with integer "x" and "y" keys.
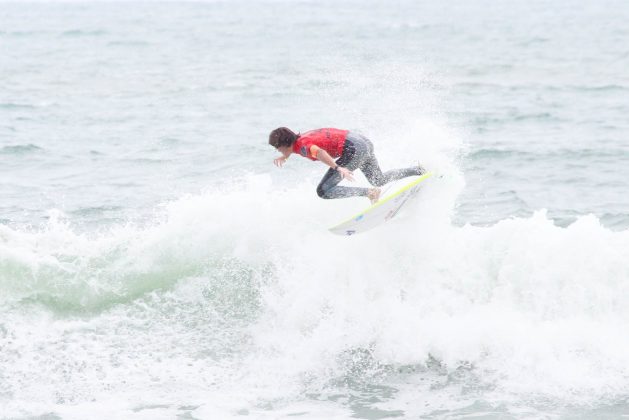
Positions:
{"x": 154, "y": 264}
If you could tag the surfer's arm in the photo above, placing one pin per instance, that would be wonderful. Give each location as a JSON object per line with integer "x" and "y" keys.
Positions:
{"x": 325, "y": 157}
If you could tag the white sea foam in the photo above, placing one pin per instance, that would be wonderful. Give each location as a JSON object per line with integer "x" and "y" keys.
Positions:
{"x": 523, "y": 308}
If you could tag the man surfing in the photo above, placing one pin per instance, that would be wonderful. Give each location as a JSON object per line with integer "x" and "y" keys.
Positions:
{"x": 351, "y": 150}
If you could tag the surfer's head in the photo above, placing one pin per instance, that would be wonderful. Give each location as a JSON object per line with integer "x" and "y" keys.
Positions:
{"x": 282, "y": 137}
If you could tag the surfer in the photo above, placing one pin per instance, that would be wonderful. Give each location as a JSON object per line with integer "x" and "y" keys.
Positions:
{"x": 351, "y": 150}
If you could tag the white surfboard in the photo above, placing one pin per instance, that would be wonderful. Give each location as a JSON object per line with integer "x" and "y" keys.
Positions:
{"x": 381, "y": 211}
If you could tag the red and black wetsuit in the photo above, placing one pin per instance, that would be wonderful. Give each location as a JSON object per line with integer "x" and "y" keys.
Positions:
{"x": 352, "y": 151}
{"x": 332, "y": 140}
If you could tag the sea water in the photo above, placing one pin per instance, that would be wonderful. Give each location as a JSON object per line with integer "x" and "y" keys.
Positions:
{"x": 154, "y": 264}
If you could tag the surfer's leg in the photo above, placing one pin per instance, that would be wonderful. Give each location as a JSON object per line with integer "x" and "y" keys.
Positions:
{"x": 329, "y": 188}
{"x": 376, "y": 177}
{"x": 353, "y": 154}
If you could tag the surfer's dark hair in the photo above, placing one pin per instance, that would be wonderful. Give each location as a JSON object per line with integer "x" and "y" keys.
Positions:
{"x": 282, "y": 136}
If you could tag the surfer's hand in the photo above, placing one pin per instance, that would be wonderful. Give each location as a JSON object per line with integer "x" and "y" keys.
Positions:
{"x": 345, "y": 173}
{"x": 279, "y": 161}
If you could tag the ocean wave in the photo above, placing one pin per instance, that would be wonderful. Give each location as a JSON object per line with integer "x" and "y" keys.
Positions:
{"x": 13, "y": 105}
{"x": 522, "y": 302}
{"x": 563, "y": 153}
{"x": 67, "y": 271}
{"x": 83, "y": 32}
{"x": 600, "y": 88}
{"x": 20, "y": 149}
{"x": 20, "y": 34}
{"x": 525, "y": 307}
{"x": 129, "y": 43}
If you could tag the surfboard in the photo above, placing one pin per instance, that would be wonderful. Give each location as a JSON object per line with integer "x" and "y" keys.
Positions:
{"x": 385, "y": 209}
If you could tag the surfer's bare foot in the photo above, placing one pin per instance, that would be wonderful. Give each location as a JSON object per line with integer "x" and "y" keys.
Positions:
{"x": 374, "y": 195}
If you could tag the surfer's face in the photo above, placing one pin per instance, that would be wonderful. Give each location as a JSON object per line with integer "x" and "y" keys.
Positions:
{"x": 285, "y": 150}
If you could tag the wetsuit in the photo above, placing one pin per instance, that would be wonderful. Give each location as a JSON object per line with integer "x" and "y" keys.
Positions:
{"x": 353, "y": 151}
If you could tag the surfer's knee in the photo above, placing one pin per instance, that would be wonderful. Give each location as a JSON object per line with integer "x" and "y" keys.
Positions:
{"x": 326, "y": 192}
{"x": 321, "y": 191}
